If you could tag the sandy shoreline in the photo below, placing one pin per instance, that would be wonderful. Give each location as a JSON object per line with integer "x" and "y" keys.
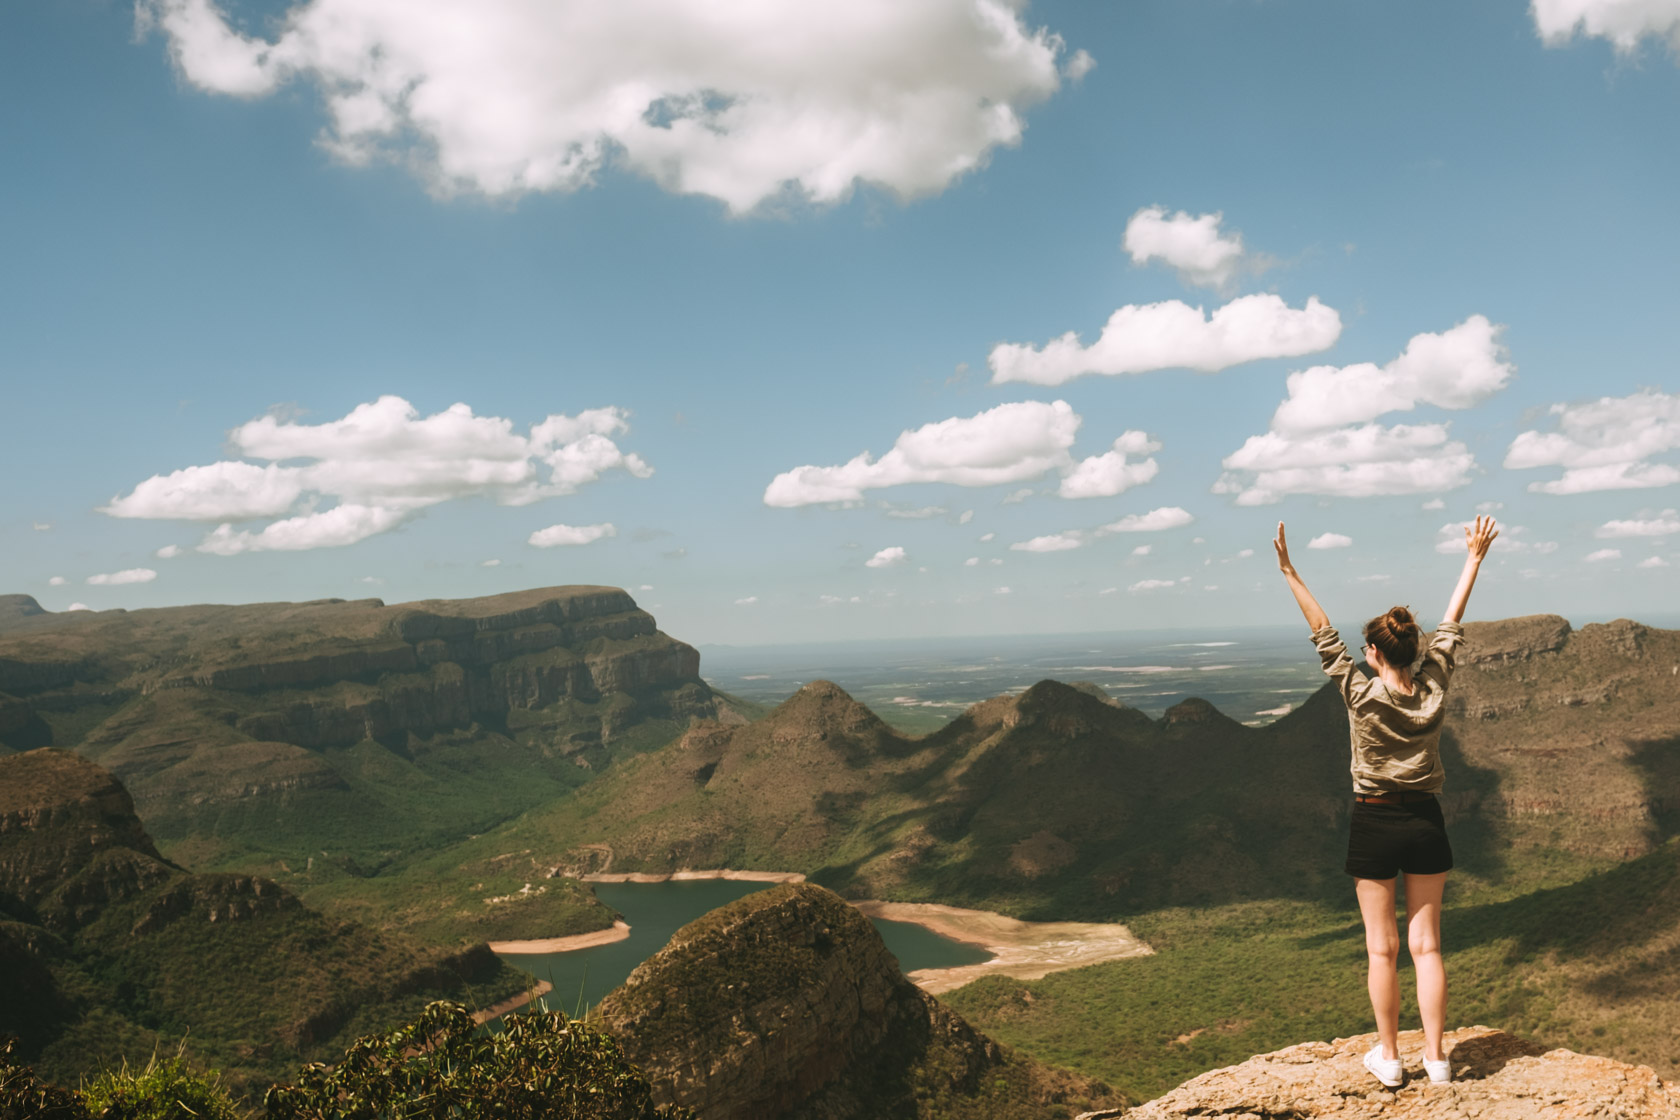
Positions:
{"x": 688, "y": 876}
{"x": 619, "y": 931}
{"x": 1023, "y": 950}
{"x": 497, "y": 1010}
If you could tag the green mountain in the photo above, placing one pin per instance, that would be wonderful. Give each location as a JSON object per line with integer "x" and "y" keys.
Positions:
{"x": 108, "y": 950}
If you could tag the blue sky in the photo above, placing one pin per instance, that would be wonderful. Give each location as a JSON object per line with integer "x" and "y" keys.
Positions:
{"x": 723, "y": 243}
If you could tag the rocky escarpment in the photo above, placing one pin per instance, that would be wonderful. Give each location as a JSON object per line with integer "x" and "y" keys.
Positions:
{"x": 1495, "y": 1077}
{"x": 199, "y": 707}
{"x": 787, "y": 1004}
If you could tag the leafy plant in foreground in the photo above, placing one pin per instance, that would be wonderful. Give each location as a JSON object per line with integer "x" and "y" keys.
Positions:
{"x": 443, "y": 1066}
{"x": 23, "y": 1096}
{"x": 163, "y": 1090}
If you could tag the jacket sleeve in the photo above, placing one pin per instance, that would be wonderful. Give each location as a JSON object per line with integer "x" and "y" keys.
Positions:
{"x": 1339, "y": 667}
{"x": 1442, "y": 655}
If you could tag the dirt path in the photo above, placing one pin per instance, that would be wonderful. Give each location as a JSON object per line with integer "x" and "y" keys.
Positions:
{"x": 619, "y": 931}
{"x": 1024, "y": 950}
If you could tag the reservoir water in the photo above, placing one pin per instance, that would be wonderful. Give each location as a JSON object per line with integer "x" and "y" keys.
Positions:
{"x": 655, "y": 911}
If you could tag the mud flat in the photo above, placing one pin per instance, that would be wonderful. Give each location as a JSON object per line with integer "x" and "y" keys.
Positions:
{"x": 685, "y": 877}
{"x": 619, "y": 931}
{"x": 1023, "y": 950}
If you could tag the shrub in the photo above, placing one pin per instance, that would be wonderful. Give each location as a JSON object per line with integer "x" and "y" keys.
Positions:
{"x": 23, "y": 1096}
{"x": 443, "y": 1066}
{"x": 164, "y": 1090}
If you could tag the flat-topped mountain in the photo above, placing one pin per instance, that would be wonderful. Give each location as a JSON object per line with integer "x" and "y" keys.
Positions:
{"x": 786, "y": 1005}
{"x": 278, "y": 729}
{"x": 107, "y": 949}
{"x": 1495, "y": 1077}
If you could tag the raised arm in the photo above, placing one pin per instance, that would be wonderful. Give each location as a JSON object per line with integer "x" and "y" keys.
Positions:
{"x": 1477, "y": 541}
{"x": 1315, "y": 616}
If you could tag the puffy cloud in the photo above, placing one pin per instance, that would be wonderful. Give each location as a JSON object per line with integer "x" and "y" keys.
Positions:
{"x": 1113, "y": 472}
{"x": 988, "y": 536}
{"x": 1000, "y": 591}
{"x": 78, "y": 607}
{"x": 1323, "y": 441}
{"x": 1167, "y": 517}
{"x": 1662, "y": 525}
{"x": 965, "y": 517}
{"x": 1455, "y": 369}
{"x": 1142, "y": 550}
{"x": 1433, "y": 504}
{"x": 558, "y": 536}
{"x": 972, "y": 562}
{"x": 1174, "y": 335}
{"x": 1054, "y": 542}
{"x": 1604, "y": 554}
{"x": 1330, "y": 540}
{"x": 492, "y": 563}
{"x": 1009, "y": 443}
{"x": 169, "y": 552}
{"x": 57, "y": 581}
{"x": 383, "y": 463}
{"x": 1623, "y": 22}
{"x": 1193, "y": 246}
{"x": 886, "y": 558}
{"x": 1605, "y": 444}
{"x": 1079, "y": 65}
{"x": 1016, "y": 497}
{"x": 741, "y": 102}
{"x": 127, "y": 575}
{"x": 747, "y": 601}
{"x": 1152, "y": 584}
{"x": 1652, "y": 562}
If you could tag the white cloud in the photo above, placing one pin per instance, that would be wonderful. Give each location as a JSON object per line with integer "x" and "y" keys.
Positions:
{"x": 1009, "y": 443}
{"x": 57, "y": 581}
{"x": 1141, "y": 550}
{"x": 127, "y": 575}
{"x": 1433, "y": 504}
{"x": 78, "y": 607}
{"x": 833, "y": 600}
{"x": 1174, "y": 335}
{"x": 746, "y": 602}
{"x": 987, "y": 537}
{"x": 1322, "y": 440}
{"x": 1489, "y": 507}
{"x": 1449, "y": 538}
{"x": 1604, "y": 554}
{"x": 972, "y": 562}
{"x": 1378, "y": 577}
{"x": 1193, "y": 246}
{"x": 489, "y": 563}
{"x": 922, "y": 514}
{"x": 41, "y": 526}
{"x": 1111, "y": 473}
{"x": 558, "y": 536}
{"x": 1455, "y": 369}
{"x": 1015, "y": 497}
{"x": 1055, "y": 542}
{"x": 1079, "y": 65}
{"x": 1152, "y": 584}
{"x": 377, "y": 581}
{"x": 1109, "y": 591}
{"x": 1652, "y": 562}
{"x": 996, "y": 562}
{"x": 1330, "y": 540}
{"x": 740, "y": 102}
{"x": 965, "y": 517}
{"x": 1623, "y": 22}
{"x": 886, "y": 558}
{"x": 1662, "y": 525}
{"x": 1000, "y": 591}
{"x": 1605, "y": 444}
{"x": 169, "y": 552}
{"x": 382, "y": 463}
{"x": 645, "y": 587}
{"x": 1167, "y": 517}
{"x": 1245, "y": 554}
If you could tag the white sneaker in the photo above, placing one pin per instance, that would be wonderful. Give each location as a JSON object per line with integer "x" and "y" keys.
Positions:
{"x": 1386, "y": 1070}
{"x": 1439, "y": 1072}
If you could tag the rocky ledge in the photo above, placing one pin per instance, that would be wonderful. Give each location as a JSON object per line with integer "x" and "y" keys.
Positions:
{"x": 1495, "y": 1077}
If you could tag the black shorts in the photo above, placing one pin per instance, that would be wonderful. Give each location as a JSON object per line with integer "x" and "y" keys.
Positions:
{"x": 1408, "y": 836}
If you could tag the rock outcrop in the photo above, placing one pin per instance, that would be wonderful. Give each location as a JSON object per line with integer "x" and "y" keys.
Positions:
{"x": 1495, "y": 1077}
{"x": 787, "y": 1004}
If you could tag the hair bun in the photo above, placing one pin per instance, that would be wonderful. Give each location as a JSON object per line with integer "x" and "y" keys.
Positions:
{"x": 1401, "y": 620}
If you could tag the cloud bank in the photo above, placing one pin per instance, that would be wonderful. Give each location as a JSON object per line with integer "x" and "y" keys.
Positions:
{"x": 382, "y": 463}
{"x": 1607, "y": 444}
{"x": 1324, "y": 438}
{"x": 739, "y": 102}
{"x": 1010, "y": 443}
{"x": 1623, "y": 22}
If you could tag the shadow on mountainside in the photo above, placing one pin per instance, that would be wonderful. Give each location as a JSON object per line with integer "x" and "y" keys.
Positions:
{"x": 1658, "y": 763}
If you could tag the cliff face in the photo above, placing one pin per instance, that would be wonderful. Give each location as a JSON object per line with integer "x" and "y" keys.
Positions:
{"x": 787, "y": 1004}
{"x": 260, "y": 705}
{"x": 1495, "y": 1077}
{"x": 104, "y": 944}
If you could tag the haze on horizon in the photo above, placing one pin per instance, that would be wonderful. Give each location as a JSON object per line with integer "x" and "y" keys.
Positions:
{"x": 810, "y": 323}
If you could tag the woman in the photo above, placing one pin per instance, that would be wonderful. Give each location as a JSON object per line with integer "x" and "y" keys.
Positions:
{"x": 1395, "y": 720}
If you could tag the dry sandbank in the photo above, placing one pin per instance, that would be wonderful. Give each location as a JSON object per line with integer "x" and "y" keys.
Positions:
{"x": 497, "y": 1010}
{"x": 1023, "y": 950}
{"x": 686, "y": 876}
{"x": 619, "y": 931}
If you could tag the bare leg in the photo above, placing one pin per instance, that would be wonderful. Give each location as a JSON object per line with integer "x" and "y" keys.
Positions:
{"x": 1423, "y": 938}
{"x": 1382, "y": 946}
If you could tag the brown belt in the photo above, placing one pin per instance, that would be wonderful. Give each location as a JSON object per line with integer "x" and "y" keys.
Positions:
{"x": 1391, "y": 798}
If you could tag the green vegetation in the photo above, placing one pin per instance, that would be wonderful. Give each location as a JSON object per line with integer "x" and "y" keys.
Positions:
{"x": 539, "y": 1066}
{"x": 166, "y": 1089}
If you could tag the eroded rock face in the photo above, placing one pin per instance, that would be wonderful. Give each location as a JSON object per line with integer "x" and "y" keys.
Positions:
{"x": 1495, "y": 1077}
{"x": 788, "y": 1004}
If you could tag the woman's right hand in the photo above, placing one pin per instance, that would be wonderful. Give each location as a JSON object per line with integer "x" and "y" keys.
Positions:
{"x": 1478, "y": 539}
